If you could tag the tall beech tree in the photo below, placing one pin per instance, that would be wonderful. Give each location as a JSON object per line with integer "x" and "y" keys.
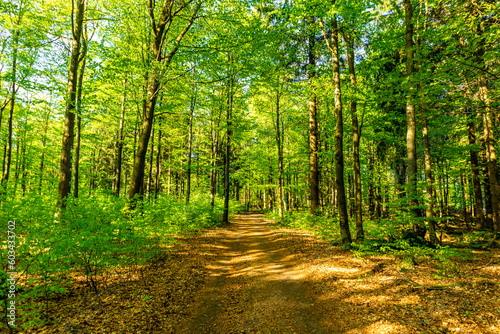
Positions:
{"x": 333, "y": 45}
{"x": 411, "y": 127}
{"x": 69, "y": 117}
{"x": 356, "y": 136}
{"x": 229, "y": 135}
{"x": 171, "y": 15}
{"x": 313, "y": 119}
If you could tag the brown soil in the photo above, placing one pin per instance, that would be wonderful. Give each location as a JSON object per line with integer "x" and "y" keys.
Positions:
{"x": 250, "y": 278}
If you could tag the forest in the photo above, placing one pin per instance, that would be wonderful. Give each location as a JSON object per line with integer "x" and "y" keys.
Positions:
{"x": 129, "y": 127}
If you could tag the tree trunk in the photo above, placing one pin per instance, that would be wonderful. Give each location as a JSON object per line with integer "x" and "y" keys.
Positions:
{"x": 371, "y": 187}
{"x": 69, "y": 122}
{"x": 18, "y": 163}
{"x": 190, "y": 145}
{"x": 158, "y": 157}
{"x": 356, "y": 136}
{"x": 8, "y": 149}
{"x": 487, "y": 192}
{"x": 42, "y": 158}
{"x": 119, "y": 145}
{"x": 79, "y": 110}
{"x": 345, "y": 233}
{"x": 213, "y": 157}
{"x": 24, "y": 155}
{"x": 280, "y": 155}
{"x": 491, "y": 159}
{"x": 160, "y": 30}
{"x": 429, "y": 211}
{"x": 476, "y": 180}
{"x": 151, "y": 159}
{"x": 229, "y": 134}
{"x": 411, "y": 147}
{"x": 313, "y": 126}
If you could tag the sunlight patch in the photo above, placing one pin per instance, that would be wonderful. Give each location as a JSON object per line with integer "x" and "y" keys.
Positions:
{"x": 381, "y": 327}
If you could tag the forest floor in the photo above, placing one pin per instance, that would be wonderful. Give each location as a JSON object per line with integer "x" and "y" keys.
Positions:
{"x": 254, "y": 277}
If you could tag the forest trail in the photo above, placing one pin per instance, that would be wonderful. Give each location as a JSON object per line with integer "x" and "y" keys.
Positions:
{"x": 252, "y": 276}
{"x": 257, "y": 286}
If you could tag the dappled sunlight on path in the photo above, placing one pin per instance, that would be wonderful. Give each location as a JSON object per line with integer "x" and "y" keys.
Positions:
{"x": 266, "y": 280}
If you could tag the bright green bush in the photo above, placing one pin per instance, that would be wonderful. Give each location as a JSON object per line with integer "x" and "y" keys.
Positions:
{"x": 91, "y": 236}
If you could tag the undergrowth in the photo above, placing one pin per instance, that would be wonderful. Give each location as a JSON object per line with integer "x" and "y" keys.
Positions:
{"x": 389, "y": 237}
{"x": 91, "y": 237}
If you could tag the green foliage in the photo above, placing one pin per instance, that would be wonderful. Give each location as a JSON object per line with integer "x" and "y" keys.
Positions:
{"x": 91, "y": 237}
{"x": 326, "y": 227}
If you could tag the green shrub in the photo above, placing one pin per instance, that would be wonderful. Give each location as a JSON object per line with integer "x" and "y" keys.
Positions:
{"x": 89, "y": 238}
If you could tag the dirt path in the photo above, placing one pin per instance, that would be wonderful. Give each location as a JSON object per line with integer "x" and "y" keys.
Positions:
{"x": 255, "y": 283}
{"x": 250, "y": 278}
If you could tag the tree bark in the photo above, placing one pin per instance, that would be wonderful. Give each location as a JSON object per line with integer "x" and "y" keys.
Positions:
{"x": 333, "y": 45}
{"x": 8, "y": 149}
{"x": 280, "y": 154}
{"x": 430, "y": 193}
{"x": 213, "y": 157}
{"x": 69, "y": 121}
{"x": 158, "y": 157}
{"x": 229, "y": 134}
{"x": 190, "y": 144}
{"x": 160, "y": 30}
{"x": 488, "y": 116}
{"x": 476, "y": 180}
{"x": 411, "y": 130}
{"x": 151, "y": 159}
{"x": 76, "y": 167}
{"x": 491, "y": 159}
{"x": 356, "y": 137}
{"x": 119, "y": 145}
{"x": 313, "y": 125}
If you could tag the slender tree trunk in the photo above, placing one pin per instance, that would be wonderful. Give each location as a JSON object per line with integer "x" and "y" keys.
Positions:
{"x": 18, "y": 163}
{"x": 69, "y": 122}
{"x": 429, "y": 211}
{"x": 76, "y": 167}
{"x": 488, "y": 117}
{"x": 158, "y": 157}
{"x": 411, "y": 147}
{"x": 378, "y": 200}
{"x": 371, "y": 187}
{"x": 151, "y": 159}
{"x": 463, "y": 185}
{"x": 487, "y": 192}
{"x": 356, "y": 136}
{"x": 190, "y": 145}
{"x": 227, "y": 163}
{"x": 345, "y": 233}
{"x": 8, "y": 149}
{"x": 24, "y": 168}
{"x": 21, "y": 160}
{"x": 313, "y": 126}
{"x": 476, "y": 180}
{"x": 280, "y": 155}
{"x": 213, "y": 157}
{"x": 119, "y": 145}
{"x": 159, "y": 29}
{"x": 42, "y": 158}
{"x": 491, "y": 159}
{"x": 169, "y": 174}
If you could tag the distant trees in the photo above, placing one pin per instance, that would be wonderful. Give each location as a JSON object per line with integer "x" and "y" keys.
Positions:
{"x": 69, "y": 116}
{"x": 175, "y": 99}
{"x": 164, "y": 46}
